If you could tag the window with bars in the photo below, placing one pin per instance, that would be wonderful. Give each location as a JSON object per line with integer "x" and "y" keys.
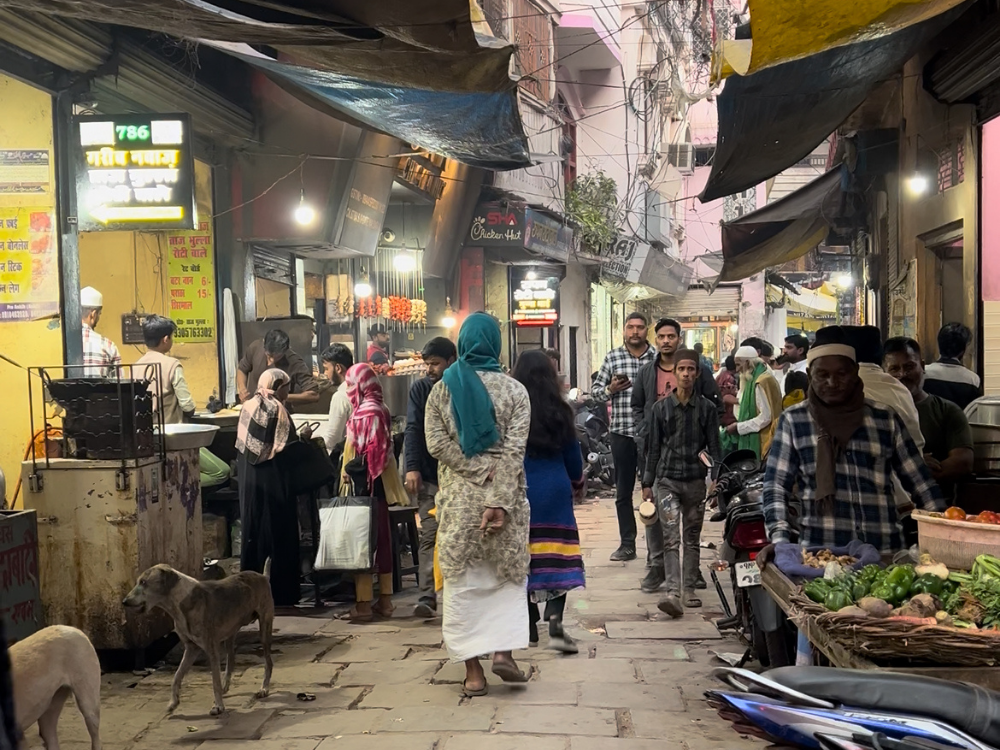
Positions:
{"x": 951, "y": 165}
{"x": 531, "y": 34}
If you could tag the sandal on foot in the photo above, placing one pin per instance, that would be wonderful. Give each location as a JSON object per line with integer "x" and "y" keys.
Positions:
{"x": 354, "y": 616}
{"x": 387, "y": 613}
{"x": 477, "y": 693}
{"x": 510, "y": 673}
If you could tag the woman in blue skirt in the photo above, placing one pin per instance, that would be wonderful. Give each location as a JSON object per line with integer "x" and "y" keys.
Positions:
{"x": 553, "y": 467}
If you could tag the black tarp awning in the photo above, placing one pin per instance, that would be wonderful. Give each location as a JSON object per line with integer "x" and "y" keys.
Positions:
{"x": 770, "y": 120}
{"x": 782, "y": 231}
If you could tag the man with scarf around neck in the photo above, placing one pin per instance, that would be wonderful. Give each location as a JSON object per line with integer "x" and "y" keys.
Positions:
{"x": 760, "y": 403}
{"x": 838, "y": 452}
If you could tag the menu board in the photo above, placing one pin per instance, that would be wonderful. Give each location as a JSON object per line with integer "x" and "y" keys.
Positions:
{"x": 134, "y": 172}
{"x": 191, "y": 283}
{"x": 29, "y": 265}
{"x": 535, "y": 298}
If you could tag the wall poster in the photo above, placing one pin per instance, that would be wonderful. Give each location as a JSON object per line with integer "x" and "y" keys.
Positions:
{"x": 29, "y": 264}
{"x": 191, "y": 283}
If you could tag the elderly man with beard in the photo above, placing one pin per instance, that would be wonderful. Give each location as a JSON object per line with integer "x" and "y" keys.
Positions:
{"x": 760, "y": 403}
{"x": 837, "y": 452}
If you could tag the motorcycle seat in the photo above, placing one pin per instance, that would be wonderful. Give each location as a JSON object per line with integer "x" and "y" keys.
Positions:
{"x": 969, "y": 708}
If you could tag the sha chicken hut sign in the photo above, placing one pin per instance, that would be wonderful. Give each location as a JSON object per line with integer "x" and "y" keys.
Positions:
{"x": 134, "y": 172}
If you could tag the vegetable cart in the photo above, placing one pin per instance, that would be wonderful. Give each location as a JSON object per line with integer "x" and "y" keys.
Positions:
{"x": 972, "y": 654}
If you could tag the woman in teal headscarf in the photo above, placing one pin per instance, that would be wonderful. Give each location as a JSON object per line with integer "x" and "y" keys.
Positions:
{"x": 476, "y": 425}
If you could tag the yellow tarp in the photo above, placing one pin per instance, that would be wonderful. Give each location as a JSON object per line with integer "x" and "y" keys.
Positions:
{"x": 809, "y": 302}
{"x": 786, "y": 30}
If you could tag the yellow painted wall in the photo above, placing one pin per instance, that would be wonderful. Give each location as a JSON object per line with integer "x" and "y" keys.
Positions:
{"x": 130, "y": 270}
{"x": 25, "y": 123}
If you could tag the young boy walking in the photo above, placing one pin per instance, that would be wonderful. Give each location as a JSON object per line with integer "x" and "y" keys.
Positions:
{"x": 681, "y": 426}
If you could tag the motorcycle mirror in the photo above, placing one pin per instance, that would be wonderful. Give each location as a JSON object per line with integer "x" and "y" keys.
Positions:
{"x": 706, "y": 459}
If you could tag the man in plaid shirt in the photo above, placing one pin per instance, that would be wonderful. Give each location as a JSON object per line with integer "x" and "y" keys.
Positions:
{"x": 837, "y": 452}
{"x": 100, "y": 355}
{"x": 614, "y": 383}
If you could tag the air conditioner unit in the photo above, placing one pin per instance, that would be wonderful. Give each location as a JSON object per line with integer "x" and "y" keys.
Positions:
{"x": 681, "y": 155}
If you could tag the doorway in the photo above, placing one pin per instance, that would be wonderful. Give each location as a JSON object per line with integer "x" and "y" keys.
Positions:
{"x": 949, "y": 271}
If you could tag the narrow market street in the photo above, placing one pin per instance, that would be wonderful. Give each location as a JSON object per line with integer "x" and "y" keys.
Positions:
{"x": 638, "y": 677}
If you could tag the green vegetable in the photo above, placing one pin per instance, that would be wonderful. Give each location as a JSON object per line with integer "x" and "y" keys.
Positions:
{"x": 903, "y": 575}
{"x": 882, "y": 591}
{"x": 859, "y": 591}
{"x": 817, "y": 590}
{"x": 868, "y": 573}
{"x": 899, "y": 594}
{"x": 928, "y": 583}
{"x": 837, "y": 600}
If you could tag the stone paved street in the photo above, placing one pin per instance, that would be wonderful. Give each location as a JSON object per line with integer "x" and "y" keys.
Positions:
{"x": 637, "y": 683}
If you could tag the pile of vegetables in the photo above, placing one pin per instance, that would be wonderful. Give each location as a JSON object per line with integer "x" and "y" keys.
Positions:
{"x": 824, "y": 556}
{"x": 954, "y": 513}
{"x": 927, "y": 593}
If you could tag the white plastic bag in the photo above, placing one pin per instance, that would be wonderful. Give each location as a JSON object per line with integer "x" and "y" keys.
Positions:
{"x": 346, "y": 534}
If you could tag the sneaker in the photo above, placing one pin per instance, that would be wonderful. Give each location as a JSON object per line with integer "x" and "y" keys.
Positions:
{"x": 559, "y": 641}
{"x": 655, "y": 578}
{"x": 671, "y": 605}
{"x": 623, "y": 554}
{"x": 426, "y": 608}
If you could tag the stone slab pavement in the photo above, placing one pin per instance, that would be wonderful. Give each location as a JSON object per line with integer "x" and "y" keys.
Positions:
{"x": 637, "y": 683}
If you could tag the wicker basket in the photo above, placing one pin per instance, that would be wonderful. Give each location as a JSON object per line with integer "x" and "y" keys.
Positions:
{"x": 956, "y": 543}
{"x": 894, "y": 640}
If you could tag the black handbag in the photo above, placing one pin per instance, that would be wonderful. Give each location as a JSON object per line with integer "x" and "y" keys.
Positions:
{"x": 307, "y": 465}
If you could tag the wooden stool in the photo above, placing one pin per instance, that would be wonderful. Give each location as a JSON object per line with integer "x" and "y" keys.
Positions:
{"x": 403, "y": 521}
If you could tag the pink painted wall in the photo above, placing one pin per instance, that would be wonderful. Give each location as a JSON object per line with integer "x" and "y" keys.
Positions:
{"x": 990, "y": 215}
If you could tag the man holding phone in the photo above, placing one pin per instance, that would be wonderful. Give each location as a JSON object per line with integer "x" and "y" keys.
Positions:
{"x": 614, "y": 383}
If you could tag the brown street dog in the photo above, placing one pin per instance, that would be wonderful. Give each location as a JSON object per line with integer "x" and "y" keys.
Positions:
{"x": 207, "y": 615}
{"x": 46, "y": 668}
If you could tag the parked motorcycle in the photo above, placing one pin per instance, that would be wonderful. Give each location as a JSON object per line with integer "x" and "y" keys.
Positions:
{"x": 755, "y": 616}
{"x": 593, "y": 432}
{"x": 823, "y": 708}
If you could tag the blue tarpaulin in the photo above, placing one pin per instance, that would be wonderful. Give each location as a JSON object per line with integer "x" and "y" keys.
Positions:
{"x": 482, "y": 129}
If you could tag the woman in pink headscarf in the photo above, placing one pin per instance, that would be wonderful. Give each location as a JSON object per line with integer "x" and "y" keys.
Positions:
{"x": 370, "y": 465}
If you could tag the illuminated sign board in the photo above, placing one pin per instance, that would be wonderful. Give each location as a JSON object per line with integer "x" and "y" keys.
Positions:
{"x": 134, "y": 172}
{"x": 535, "y": 298}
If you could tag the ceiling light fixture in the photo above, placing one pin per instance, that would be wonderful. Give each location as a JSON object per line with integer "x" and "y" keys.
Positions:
{"x": 363, "y": 288}
{"x": 917, "y": 184}
{"x": 448, "y": 321}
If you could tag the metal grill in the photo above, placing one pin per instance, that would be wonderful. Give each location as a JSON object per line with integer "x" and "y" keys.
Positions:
{"x": 532, "y": 36}
{"x": 951, "y": 165}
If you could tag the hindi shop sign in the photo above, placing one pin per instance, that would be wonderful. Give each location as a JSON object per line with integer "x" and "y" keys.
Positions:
{"x": 191, "y": 283}
{"x": 535, "y": 299}
{"x": 497, "y": 225}
{"x": 134, "y": 172}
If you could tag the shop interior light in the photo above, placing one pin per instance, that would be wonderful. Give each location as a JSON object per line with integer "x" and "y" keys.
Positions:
{"x": 304, "y": 213}
{"x": 531, "y": 275}
{"x": 363, "y": 288}
{"x": 405, "y": 261}
{"x": 733, "y": 327}
{"x": 845, "y": 281}
{"x": 448, "y": 321}
{"x": 917, "y": 184}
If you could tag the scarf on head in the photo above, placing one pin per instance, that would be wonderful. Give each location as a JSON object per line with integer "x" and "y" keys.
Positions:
{"x": 836, "y": 426}
{"x": 369, "y": 429}
{"x": 471, "y": 405}
{"x": 264, "y": 422}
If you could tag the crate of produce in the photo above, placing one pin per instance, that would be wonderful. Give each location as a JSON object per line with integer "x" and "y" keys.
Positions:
{"x": 957, "y": 542}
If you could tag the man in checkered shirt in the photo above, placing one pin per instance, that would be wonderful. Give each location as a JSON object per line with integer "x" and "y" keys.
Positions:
{"x": 100, "y": 355}
{"x": 614, "y": 383}
{"x": 837, "y": 452}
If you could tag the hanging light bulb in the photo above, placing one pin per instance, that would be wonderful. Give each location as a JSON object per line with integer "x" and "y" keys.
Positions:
{"x": 448, "y": 321}
{"x": 404, "y": 261}
{"x": 363, "y": 288}
{"x": 531, "y": 275}
{"x": 304, "y": 213}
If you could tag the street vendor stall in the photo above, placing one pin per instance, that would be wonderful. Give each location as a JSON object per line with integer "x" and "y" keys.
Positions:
{"x": 919, "y": 619}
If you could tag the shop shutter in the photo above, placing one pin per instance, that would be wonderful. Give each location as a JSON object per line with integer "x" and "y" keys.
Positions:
{"x": 724, "y": 302}
{"x": 141, "y": 82}
{"x": 273, "y": 264}
{"x": 963, "y": 71}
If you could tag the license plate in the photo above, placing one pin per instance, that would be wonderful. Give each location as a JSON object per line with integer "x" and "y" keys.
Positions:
{"x": 747, "y": 574}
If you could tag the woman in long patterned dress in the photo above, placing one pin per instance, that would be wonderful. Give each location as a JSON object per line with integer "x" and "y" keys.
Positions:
{"x": 553, "y": 467}
{"x": 476, "y": 425}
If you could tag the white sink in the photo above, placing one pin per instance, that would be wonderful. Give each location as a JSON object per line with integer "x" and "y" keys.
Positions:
{"x": 186, "y": 436}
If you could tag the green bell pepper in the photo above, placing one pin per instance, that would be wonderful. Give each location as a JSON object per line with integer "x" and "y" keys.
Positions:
{"x": 817, "y": 590}
{"x": 899, "y": 594}
{"x": 927, "y": 584}
{"x": 837, "y": 600}
{"x": 859, "y": 591}
{"x": 902, "y": 575}
{"x": 882, "y": 591}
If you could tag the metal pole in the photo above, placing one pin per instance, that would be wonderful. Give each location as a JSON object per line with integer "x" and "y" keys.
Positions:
{"x": 69, "y": 247}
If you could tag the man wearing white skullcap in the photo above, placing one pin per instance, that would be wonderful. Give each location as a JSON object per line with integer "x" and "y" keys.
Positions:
{"x": 100, "y": 355}
{"x": 760, "y": 403}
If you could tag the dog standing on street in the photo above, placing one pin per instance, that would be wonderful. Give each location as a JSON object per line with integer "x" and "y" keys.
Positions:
{"x": 208, "y": 615}
{"x": 46, "y": 667}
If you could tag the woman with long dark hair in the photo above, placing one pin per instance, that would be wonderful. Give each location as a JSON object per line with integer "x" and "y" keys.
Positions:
{"x": 553, "y": 467}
